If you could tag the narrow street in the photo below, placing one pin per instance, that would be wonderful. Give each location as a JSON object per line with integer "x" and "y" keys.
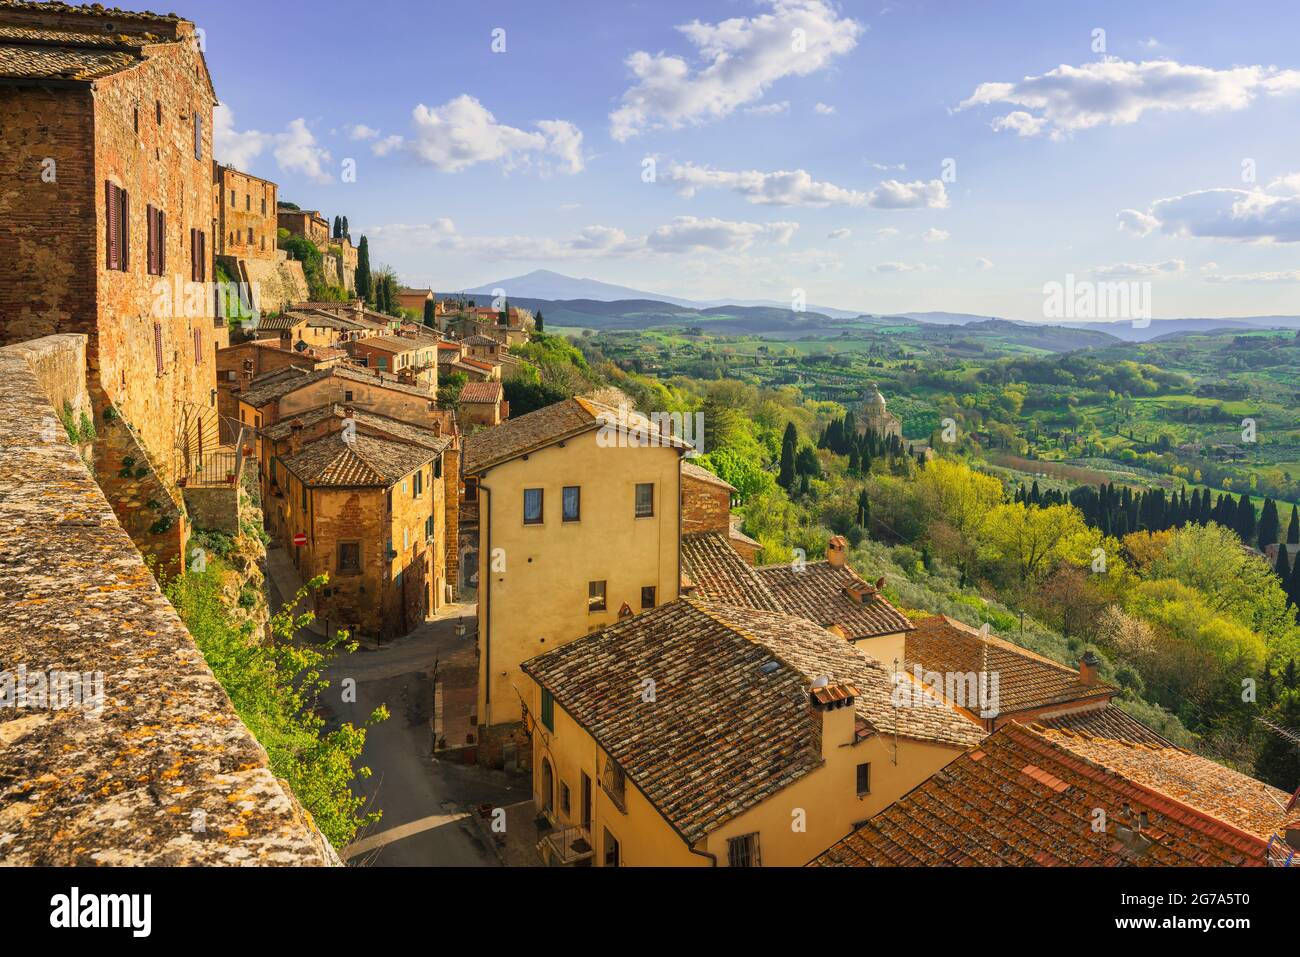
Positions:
{"x": 426, "y": 803}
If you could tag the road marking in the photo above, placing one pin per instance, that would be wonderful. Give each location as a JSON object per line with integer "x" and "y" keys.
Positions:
{"x": 398, "y": 833}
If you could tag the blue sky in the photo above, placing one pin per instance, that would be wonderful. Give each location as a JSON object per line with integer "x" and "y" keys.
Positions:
{"x": 797, "y": 144}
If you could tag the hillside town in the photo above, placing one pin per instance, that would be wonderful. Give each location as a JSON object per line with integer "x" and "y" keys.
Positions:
{"x": 196, "y": 370}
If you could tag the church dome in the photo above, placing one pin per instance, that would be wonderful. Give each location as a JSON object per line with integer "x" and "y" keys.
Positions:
{"x": 874, "y": 399}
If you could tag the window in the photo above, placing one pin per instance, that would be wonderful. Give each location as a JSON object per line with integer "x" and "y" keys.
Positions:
{"x": 117, "y": 208}
{"x": 417, "y": 485}
{"x": 198, "y": 347}
{"x": 564, "y": 798}
{"x": 198, "y": 256}
{"x": 611, "y": 849}
{"x": 648, "y": 596}
{"x": 572, "y": 500}
{"x": 382, "y": 362}
{"x": 263, "y": 205}
{"x": 158, "y": 348}
{"x": 471, "y": 490}
{"x": 743, "y": 851}
{"x": 232, "y": 199}
{"x": 135, "y": 117}
{"x": 437, "y": 467}
{"x": 248, "y": 202}
{"x": 595, "y": 596}
{"x": 586, "y": 801}
{"x": 864, "y": 779}
{"x": 198, "y": 136}
{"x": 645, "y": 499}
{"x": 532, "y": 506}
{"x": 406, "y": 539}
{"x": 548, "y": 710}
{"x": 349, "y": 558}
{"x": 156, "y": 247}
{"x": 158, "y": 111}
{"x": 347, "y": 396}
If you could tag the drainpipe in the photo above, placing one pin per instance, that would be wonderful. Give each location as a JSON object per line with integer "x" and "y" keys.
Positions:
{"x": 713, "y": 858}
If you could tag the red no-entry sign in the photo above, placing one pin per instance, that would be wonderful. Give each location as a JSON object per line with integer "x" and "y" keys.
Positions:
{"x": 300, "y": 538}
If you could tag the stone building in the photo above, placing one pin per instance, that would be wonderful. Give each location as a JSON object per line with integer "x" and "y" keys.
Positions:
{"x": 415, "y": 358}
{"x": 308, "y": 223}
{"x": 414, "y": 299}
{"x": 370, "y": 502}
{"x": 245, "y": 213}
{"x": 481, "y": 404}
{"x": 872, "y": 416}
{"x": 105, "y": 225}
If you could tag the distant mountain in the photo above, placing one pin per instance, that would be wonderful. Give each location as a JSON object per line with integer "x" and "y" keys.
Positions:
{"x": 1161, "y": 328}
{"x": 942, "y": 318}
{"x": 545, "y": 284}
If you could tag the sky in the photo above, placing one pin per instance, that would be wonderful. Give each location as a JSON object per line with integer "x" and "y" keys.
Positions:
{"x": 882, "y": 156}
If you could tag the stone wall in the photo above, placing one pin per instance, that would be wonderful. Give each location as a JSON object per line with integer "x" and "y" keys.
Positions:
{"x": 158, "y": 769}
{"x": 214, "y": 508}
{"x": 706, "y": 506}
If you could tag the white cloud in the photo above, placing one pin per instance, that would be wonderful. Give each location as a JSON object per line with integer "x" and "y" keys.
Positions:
{"x": 935, "y": 235}
{"x": 897, "y": 267}
{"x": 1288, "y": 184}
{"x": 798, "y": 188}
{"x": 886, "y": 232}
{"x": 769, "y": 109}
{"x": 1137, "y": 270}
{"x": 740, "y": 59}
{"x": 1118, "y": 92}
{"x": 686, "y": 234}
{"x": 781, "y": 188}
{"x": 841, "y": 233}
{"x": 983, "y": 264}
{"x": 295, "y": 150}
{"x": 822, "y": 109}
{"x": 359, "y": 131}
{"x": 462, "y": 132}
{"x": 892, "y": 194}
{"x": 1252, "y": 215}
{"x": 886, "y": 167}
{"x": 1254, "y": 278}
{"x": 230, "y": 146}
{"x": 689, "y": 234}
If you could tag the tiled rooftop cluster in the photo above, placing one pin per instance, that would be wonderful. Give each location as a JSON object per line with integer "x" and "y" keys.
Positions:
{"x": 1030, "y": 795}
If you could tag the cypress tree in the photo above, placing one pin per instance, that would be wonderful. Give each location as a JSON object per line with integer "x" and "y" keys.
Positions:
{"x": 1293, "y": 530}
{"x": 338, "y": 227}
{"x": 789, "y": 446}
{"x": 364, "y": 292}
{"x": 864, "y": 509}
{"x": 1270, "y": 526}
{"x": 344, "y": 233}
{"x": 1293, "y": 588}
{"x": 1283, "y": 567}
{"x": 537, "y": 322}
{"x": 429, "y": 319}
{"x": 1246, "y": 522}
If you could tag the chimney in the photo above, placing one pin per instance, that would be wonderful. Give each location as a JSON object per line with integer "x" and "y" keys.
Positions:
{"x": 295, "y": 436}
{"x": 837, "y": 551}
{"x": 437, "y": 427}
{"x": 858, "y": 591}
{"x": 826, "y": 695}
{"x": 834, "y": 702}
{"x": 1088, "y": 665}
{"x": 246, "y": 373}
{"x": 880, "y": 583}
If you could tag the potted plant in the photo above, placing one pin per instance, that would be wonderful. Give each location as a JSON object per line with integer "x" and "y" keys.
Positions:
{"x": 230, "y": 478}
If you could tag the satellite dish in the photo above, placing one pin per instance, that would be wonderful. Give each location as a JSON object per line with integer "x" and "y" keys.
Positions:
{"x": 821, "y": 682}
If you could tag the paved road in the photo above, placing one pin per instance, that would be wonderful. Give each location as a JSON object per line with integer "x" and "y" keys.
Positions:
{"x": 424, "y": 802}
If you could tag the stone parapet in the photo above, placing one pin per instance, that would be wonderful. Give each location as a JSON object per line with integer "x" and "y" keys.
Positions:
{"x": 147, "y": 762}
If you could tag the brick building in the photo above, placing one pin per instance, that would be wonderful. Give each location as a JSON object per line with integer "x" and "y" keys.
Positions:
{"x": 244, "y": 207}
{"x": 307, "y": 223}
{"x": 371, "y": 505}
{"x": 106, "y": 214}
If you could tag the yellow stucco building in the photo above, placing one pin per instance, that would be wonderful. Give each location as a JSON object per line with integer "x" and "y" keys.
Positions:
{"x": 578, "y": 524}
{"x": 701, "y": 734}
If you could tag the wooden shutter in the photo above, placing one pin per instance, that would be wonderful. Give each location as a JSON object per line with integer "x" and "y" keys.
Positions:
{"x": 111, "y": 209}
{"x": 151, "y": 244}
{"x": 160, "y": 238}
{"x": 198, "y": 347}
{"x": 157, "y": 347}
{"x": 126, "y": 229}
{"x": 203, "y": 256}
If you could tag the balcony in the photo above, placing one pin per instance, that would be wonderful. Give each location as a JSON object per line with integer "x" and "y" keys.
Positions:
{"x": 566, "y": 846}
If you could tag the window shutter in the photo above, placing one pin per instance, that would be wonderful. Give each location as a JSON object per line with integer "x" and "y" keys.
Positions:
{"x": 198, "y": 347}
{"x": 151, "y": 244}
{"x": 194, "y": 255}
{"x": 157, "y": 347}
{"x": 203, "y": 256}
{"x": 160, "y": 237}
{"x": 198, "y": 136}
{"x": 111, "y": 208}
{"x": 126, "y": 229}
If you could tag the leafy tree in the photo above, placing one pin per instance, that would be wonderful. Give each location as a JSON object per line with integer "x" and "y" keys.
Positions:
{"x": 275, "y": 686}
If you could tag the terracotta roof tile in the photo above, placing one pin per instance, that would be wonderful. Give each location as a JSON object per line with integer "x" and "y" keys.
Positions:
{"x": 723, "y": 732}
{"x": 717, "y": 573}
{"x": 490, "y": 392}
{"x": 362, "y": 461}
{"x": 1028, "y": 796}
{"x": 691, "y": 470}
{"x": 816, "y": 590}
{"x": 1025, "y": 680}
